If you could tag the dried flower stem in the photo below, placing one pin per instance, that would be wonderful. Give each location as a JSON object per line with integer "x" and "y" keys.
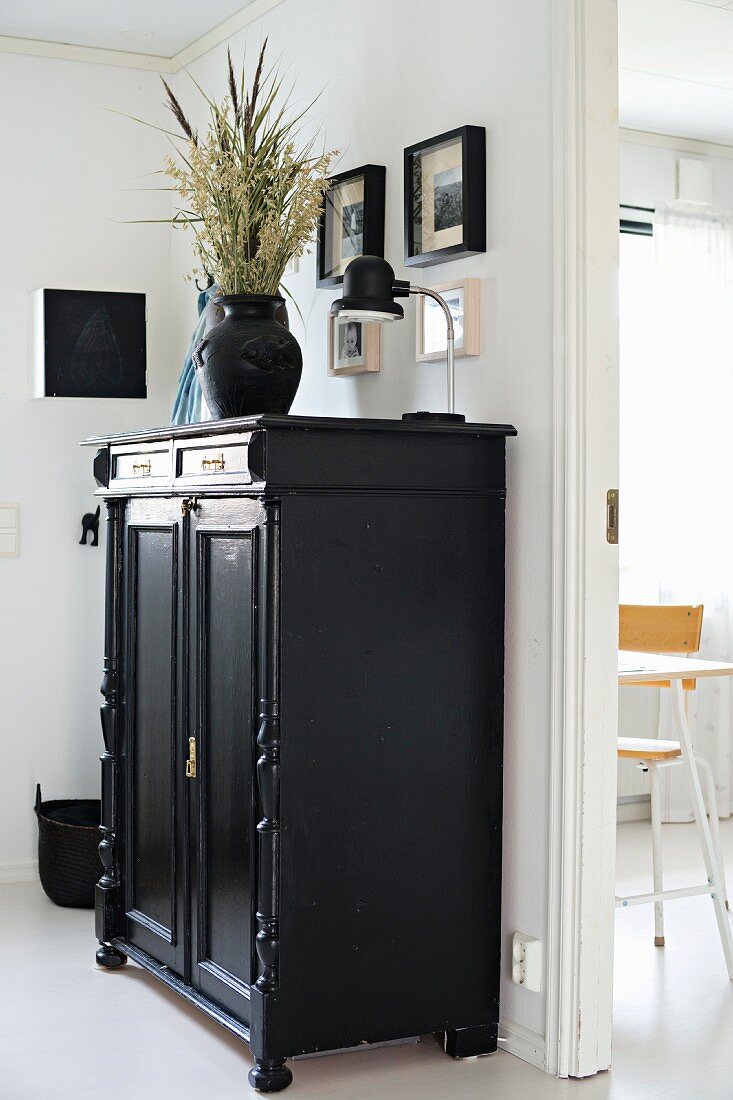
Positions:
{"x": 251, "y": 196}
{"x": 175, "y": 108}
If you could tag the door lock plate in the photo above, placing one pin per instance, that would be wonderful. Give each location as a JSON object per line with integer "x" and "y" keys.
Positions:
{"x": 612, "y": 516}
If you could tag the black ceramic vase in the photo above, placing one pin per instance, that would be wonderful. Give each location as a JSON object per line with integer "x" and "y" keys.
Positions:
{"x": 249, "y": 362}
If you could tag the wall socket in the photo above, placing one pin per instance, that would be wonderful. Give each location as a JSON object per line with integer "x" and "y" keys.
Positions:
{"x": 527, "y": 962}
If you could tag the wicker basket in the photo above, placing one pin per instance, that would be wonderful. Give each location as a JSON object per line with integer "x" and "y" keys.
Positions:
{"x": 68, "y": 849}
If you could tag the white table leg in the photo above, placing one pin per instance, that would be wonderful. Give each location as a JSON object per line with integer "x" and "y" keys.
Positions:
{"x": 706, "y": 840}
{"x": 703, "y": 764}
{"x": 656, "y": 853}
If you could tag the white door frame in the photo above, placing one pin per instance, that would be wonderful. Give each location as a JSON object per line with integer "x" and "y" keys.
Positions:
{"x": 585, "y": 566}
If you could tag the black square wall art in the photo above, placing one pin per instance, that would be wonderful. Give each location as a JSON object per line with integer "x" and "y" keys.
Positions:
{"x": 89, "y": 343}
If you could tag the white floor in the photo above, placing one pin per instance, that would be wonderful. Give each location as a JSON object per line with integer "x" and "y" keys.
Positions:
{"x": 68, "y": 1029}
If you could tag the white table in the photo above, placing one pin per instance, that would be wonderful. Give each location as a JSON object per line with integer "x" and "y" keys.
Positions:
{"x": 638, "y": 668}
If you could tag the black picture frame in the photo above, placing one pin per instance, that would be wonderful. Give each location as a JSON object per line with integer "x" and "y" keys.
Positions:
{"x": 473, "y": 195}
{"x": 90, "y": 344}
{"x": 374, "y": 176}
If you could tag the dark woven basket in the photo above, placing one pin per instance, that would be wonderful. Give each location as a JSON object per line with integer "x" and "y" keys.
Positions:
{"x": 68, "y": 849}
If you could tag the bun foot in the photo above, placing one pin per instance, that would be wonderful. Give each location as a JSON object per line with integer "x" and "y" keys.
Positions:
{"x": 469, "y": 1042}
{"x": 269, "y": 1076}
{"x": 110, "y": 957}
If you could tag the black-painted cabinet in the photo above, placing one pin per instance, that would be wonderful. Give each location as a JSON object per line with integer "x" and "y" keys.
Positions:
{"x": 302, "y": 717}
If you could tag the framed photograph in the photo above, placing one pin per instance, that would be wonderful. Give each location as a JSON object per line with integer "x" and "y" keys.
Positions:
{"x": 352, "y": 222}
{"x": 445, "y": 197}
{"x": 89, "y": 343}
{"x": 354, "y": 347}
{"x": 463, "y": 297}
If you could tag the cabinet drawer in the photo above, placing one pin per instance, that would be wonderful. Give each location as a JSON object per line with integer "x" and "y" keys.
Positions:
{"x": 216, "y": 460}
{"x": 137, "y": 465}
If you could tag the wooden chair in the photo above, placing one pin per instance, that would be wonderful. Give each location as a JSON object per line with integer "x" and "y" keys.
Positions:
{"x": 665, "y": 629}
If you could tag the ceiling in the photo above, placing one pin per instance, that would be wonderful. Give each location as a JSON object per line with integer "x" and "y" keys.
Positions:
{"x": 676, "y": 67}
{"x": 675, "y": 56}
{"x": 158, "y": 29}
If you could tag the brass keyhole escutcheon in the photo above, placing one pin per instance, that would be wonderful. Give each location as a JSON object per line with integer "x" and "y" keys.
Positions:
{"x": 191, "y": 762}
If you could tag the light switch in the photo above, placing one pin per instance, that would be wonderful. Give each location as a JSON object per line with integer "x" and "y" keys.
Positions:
{"x": 9, "y": 530}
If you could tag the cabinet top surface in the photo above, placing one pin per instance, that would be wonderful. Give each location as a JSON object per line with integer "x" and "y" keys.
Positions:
{"x": 303, "y": 423}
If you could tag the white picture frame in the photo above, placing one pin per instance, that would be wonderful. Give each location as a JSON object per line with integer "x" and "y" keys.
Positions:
{"x": 354, "y": 347}
{"x": 464, "y": 300}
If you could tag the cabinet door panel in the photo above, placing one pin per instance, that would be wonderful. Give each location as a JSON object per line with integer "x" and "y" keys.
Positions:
{"x": 225, "y": 557}
{"x": 153, "y": 892}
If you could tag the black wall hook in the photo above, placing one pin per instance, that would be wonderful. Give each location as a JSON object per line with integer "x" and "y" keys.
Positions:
{"x": 90, "y": 524}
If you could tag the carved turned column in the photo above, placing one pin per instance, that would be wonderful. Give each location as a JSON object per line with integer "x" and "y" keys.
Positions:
{"x": 108, "y": 887}
{"x": 268, "y": 765}
{"x": 269, "y": 1075}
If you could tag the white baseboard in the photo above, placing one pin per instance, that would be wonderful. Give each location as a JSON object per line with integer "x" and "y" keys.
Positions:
{"x": 522, "y": 1043}
{"x": 18, "y": 872}
{"x": 635, "y": 808}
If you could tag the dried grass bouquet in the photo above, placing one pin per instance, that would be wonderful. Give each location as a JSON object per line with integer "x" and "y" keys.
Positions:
{"x": 250, "y": 194}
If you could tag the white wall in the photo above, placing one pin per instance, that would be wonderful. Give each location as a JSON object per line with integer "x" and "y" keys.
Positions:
{"x": 403, "y": 73}
{"x": 65, "y": 162}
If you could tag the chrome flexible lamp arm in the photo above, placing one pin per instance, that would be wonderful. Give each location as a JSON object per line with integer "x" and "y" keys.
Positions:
{"x": 451, "y": 345}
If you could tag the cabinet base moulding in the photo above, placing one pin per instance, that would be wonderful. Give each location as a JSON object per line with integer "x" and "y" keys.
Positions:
{"x": 186, "y": 991}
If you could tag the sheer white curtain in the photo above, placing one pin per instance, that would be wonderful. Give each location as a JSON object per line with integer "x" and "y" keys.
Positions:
{"x": 677, "y": 458}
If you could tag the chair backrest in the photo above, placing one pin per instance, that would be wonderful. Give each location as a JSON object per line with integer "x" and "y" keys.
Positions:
{"x": 669, "y": 628}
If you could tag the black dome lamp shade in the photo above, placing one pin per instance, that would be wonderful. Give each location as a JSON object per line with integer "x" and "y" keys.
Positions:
{"x": 370, "y": 289}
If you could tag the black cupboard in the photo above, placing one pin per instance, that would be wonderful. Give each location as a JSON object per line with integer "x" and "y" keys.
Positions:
{"x": 303, "y": 726}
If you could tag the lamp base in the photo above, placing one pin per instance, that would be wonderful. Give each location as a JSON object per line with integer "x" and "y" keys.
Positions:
{"x": 451, "y": 418}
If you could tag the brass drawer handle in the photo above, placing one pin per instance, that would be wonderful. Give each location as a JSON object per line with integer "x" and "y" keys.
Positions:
{"x": 213, "y": 463}
{"x": 142, "y": 468}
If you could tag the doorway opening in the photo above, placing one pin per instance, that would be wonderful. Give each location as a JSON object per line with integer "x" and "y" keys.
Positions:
{"x": 671, "y": 975}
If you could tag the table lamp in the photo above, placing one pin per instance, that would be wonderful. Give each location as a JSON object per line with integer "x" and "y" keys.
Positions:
{"x": 370, "y": 289}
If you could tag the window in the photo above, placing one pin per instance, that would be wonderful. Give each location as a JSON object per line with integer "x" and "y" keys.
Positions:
{"x": 638, "y": 579}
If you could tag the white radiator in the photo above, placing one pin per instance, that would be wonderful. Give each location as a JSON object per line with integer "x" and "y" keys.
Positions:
{"x": 638, "y": 715}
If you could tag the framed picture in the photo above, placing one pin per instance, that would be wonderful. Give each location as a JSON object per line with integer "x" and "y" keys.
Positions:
{"x": 463, "y": 297}
{"x": 352, "y": 222}
{"x": 89, "y": 343}
{"x": 445, "y": 197}
{"x": 354, "y": 347}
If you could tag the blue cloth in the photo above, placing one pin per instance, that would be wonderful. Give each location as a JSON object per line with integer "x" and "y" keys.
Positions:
{"x": 187, "y": 405}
